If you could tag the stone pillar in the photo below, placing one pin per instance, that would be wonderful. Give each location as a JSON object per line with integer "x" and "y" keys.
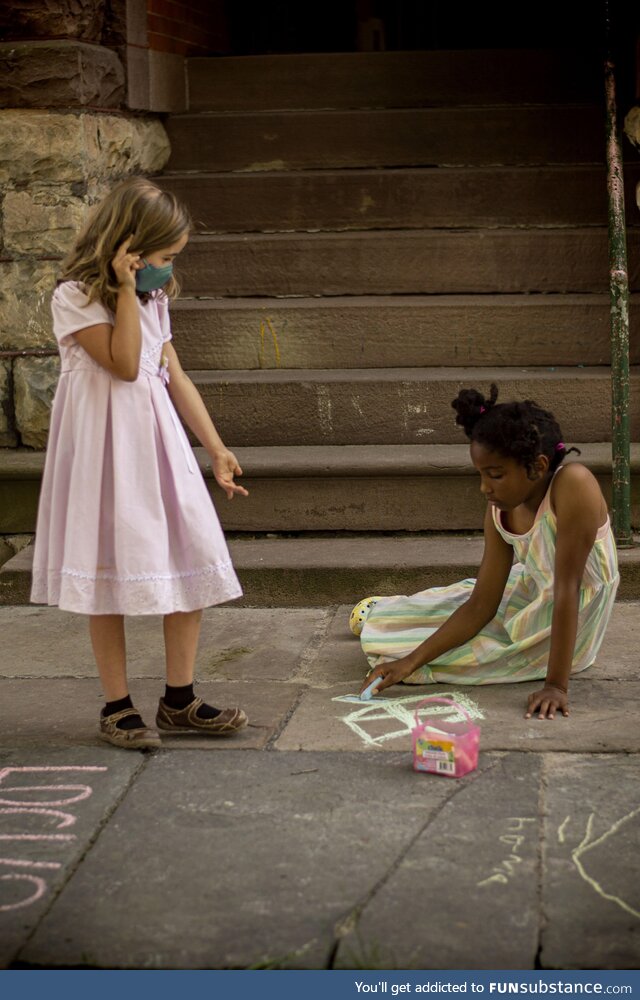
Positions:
{"x": 67, "y": 135}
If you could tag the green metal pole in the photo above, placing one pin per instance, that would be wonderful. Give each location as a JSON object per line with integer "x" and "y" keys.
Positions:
{"x": 619, "y": 295}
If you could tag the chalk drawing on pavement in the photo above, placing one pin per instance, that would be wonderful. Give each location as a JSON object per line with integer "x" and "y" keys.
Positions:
{"x": 587, "y": 844}
{"x": 517, "y": 834}
{"x": 400, "y": 710}
{"x": 40, "y": 801}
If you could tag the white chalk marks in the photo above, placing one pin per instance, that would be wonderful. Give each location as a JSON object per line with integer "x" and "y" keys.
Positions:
{"x": 399, "y": 713}
{"x": 28, "y": 814}
{"x": 600, "y": 857}
{"x": 580, "y": 858}
{"x": 517, "y": 833}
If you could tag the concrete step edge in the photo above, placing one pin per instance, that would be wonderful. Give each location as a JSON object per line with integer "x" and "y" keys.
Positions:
{"x": 525, "y": 301}
{"x": 302, "y": 572}
{"x": 372, "y": 550}
{"x": 554, "y": 169}
{"x": 252, "y": 238}
{"x": 456, "y": 376}
{"x": 484, "y": 56}
{"x": 388, "y": 79}
{"x": 436, "y": 109}
{"x": 337, "y": 461}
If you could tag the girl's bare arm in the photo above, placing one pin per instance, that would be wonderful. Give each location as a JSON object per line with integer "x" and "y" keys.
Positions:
{"x": 117, "y": 348}
{"x": 580, "y": 511}
{"x": 464, "y": 623}
{"x": 189, "y": 404}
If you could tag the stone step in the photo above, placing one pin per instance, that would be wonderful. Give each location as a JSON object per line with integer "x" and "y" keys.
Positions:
{"x": 393, "y": 79}
{"x": 400, "y": 137}
{"x": 396, "y": 405}
{"x": 374, "y": 488}
{"x": 349, "y": 331}
{"x": 432, "y": 262}
{"x": 332, "y": 488}
{"x": 312, "y": 572}
{"x": 426, "y": 198}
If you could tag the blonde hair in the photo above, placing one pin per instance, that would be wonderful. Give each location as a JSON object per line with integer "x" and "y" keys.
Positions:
{"x": 139, "y": 208}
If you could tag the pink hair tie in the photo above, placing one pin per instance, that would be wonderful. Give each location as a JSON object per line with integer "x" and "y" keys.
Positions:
{"x": 560, "y": 446}
{"x": 482, "y": 410}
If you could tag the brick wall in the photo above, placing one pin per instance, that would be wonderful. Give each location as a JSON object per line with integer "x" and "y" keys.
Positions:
{"x": 187, "y": 27}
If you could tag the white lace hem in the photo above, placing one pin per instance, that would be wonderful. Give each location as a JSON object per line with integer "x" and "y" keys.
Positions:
{"x": 219, "y": 569}
{"x": 136, "y": 596}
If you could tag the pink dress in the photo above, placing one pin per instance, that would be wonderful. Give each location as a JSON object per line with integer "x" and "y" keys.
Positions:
{"x": 125, "y": 523}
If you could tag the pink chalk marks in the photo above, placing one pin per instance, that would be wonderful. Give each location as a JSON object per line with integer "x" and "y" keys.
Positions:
{"x": 48, "y": 805}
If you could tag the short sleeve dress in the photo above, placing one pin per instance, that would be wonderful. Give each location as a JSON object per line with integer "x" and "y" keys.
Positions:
{"x": 513, "y": 646}
{"x": 125, "y": 521}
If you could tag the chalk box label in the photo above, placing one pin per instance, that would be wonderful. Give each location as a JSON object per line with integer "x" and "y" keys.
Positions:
{"x": 435, "y": 755}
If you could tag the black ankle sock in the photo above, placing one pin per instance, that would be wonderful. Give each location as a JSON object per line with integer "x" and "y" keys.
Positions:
{"x": 180, "y": 697}
{"x": 131, "y": 721}
{"x": 207, "y": 711}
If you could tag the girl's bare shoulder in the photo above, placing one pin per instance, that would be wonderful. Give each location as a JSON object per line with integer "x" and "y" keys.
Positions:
{"x": 571, "y": 474}
{"x": 575, "y": 486}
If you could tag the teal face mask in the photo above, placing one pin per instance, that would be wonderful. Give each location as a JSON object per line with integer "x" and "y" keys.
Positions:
{"x": 150, "y": 277}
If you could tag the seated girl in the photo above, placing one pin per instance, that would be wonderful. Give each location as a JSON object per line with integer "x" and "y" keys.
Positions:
{"x": 546, "y": 586}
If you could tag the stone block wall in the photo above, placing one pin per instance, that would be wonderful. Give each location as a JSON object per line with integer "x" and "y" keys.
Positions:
{"x": 67, "y": 134}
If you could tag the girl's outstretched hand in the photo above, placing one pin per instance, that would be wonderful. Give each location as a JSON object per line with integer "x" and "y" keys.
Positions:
{"x": 389, "y": 673}
{"x": 125, "y": 265}
{"x": 548, "y": 701}
{"x": 225, "y": 467}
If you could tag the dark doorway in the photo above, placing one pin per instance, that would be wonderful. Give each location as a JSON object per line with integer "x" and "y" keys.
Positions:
{"x": 281, "y": 26}
{"x": 258, "y": 27}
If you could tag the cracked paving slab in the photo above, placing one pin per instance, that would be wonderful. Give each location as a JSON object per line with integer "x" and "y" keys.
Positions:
{"x": 23, "y": 722}
{"x": 599, "y": 719}
{"x": 52, "y": 805}
{"x": 235, "y": 643}
{"x": 538, "y": 857}
{"x": 465, "y": 896}
{"x": 254, "y": 861}
{"x": 248, "y": 644}
{"x": 591, "y": 889}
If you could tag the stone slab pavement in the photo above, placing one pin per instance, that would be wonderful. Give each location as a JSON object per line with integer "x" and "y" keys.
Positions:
{"x": 308, "y": 841}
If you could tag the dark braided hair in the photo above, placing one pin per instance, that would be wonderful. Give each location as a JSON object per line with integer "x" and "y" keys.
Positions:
{"x": 522, "y": 431}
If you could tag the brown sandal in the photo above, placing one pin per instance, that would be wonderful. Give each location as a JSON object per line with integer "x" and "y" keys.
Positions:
{"x": 185, "y": 720}
{"x": 131, "y": 739}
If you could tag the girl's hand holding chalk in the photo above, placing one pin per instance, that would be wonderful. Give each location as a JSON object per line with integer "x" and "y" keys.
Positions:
{"x": 369, "y": 691}
{"x": 384, "y": 676}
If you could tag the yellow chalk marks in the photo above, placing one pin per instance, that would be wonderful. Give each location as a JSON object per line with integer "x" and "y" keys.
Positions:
{"x": 587, "y": 845}
{"x": 366, "y": 202}
{"x": 274, "y": 337}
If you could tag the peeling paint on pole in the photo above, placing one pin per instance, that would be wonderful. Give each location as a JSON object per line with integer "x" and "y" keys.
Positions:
{"x": 619, "y": 295}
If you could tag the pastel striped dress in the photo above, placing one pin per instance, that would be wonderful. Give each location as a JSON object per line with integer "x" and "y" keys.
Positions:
{"x": 514, "y": 646}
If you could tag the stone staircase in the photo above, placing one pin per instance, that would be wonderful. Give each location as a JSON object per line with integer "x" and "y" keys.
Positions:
{"x": 374, "y": 231}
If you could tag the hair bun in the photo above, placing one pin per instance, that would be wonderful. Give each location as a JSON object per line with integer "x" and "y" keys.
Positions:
{"x": 470, "y": 405}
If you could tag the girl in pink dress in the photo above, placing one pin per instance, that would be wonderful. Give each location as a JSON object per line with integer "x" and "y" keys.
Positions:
{"x": 126, "y": 525}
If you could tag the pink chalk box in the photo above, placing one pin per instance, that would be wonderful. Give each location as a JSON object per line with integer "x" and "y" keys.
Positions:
{"x": 448, "y": 748}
